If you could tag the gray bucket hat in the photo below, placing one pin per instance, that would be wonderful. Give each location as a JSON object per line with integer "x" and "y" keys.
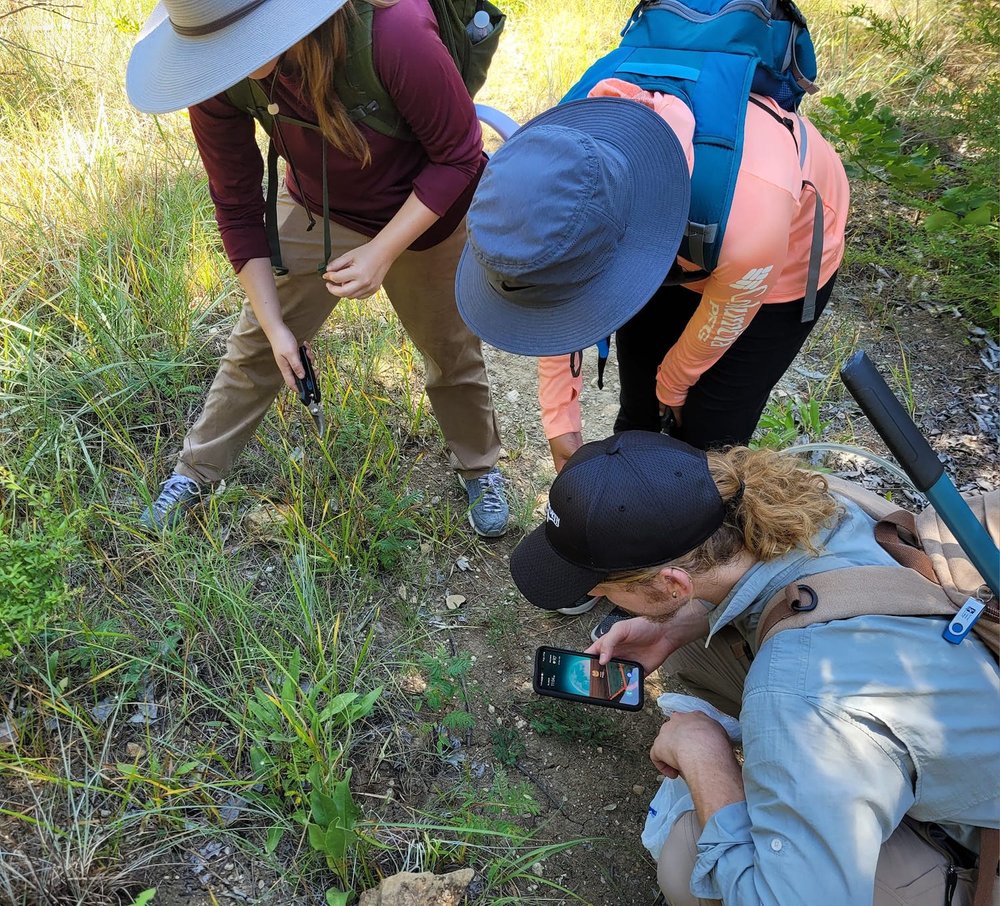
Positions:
{"x": 574, "y": 226}
{"x": 191, "y": 50}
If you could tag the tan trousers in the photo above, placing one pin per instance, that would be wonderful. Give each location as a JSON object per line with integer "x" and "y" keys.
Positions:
{"x": 421, "y": 288}
{"x": 910, "y": 871}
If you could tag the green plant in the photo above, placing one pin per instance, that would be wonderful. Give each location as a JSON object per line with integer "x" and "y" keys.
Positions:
{"x": 570, "y": 723}
{"x": 508, "y": 746}
{"x": 787, "y": 420}
{"x": 332, "y": 817}
{"x": 445, "y": 674}
{"x": 37, "y": 541}
{"x": 294, "y": 727}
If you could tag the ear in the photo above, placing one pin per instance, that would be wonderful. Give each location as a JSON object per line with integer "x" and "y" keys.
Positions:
{"x": 674, "y": 582}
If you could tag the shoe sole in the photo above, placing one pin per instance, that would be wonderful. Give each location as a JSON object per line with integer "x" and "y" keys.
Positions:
{"x": 482, "y": 534}
{"x": 612, "y": 617}
{"x": 580, "y": 609}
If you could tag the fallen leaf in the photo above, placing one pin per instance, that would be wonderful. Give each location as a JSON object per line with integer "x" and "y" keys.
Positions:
{"x": 453, "y": 602}
{"x": 462, "y": 563}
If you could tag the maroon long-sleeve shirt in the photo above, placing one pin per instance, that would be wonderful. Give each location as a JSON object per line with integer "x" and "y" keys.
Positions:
{"x": 443, "y": 166}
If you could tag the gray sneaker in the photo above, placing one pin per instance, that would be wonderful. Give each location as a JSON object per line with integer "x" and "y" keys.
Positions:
{"x": 179, "y": 495}
{"x": 488, "y": 510}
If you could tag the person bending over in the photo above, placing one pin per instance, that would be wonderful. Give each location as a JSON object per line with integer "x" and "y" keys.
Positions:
{"x": 871, "y": 746}
{"x": 395, "y": 215}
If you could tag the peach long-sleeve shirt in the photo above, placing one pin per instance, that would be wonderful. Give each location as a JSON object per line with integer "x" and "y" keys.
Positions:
{"x": 765, "y": 250}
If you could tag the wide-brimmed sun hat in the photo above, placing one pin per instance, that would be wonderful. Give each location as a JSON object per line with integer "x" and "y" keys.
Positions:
{"x": 191, "y": 50}
{"x": 574, "y": 226}
{"x": 634, "y": 500}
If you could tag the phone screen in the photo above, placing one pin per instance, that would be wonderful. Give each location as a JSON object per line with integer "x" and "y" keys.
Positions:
{"x": 572, "y": 674}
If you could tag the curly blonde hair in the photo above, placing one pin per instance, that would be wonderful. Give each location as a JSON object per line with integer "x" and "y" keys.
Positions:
{"x": 783, "y": 506}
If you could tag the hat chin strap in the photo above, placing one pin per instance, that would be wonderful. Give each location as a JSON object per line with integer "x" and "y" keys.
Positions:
{"x": 199, "y": 31}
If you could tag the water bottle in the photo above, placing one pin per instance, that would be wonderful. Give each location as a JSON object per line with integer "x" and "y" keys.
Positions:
{"x": 479, "y": 27}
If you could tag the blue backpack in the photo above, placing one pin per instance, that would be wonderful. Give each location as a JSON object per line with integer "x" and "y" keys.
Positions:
{"x": 712, "y": 54}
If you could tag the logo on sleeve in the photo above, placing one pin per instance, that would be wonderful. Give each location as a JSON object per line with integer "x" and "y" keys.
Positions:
{"x": 752, "y": 278}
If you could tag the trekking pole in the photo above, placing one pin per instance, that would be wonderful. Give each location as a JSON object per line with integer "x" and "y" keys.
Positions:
{"x": 921, "y": 463}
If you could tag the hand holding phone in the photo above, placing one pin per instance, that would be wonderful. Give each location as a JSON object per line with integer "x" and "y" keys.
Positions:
{"x": 637, "y": 639}
{"x": 577, "y": 676}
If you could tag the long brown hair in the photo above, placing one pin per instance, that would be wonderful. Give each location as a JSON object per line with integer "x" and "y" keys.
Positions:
{"x": 782, "y": 508}
{"x": 316, "y": 58}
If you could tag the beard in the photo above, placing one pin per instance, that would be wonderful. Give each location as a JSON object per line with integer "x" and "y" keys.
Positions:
{"x": 668, "y": 606}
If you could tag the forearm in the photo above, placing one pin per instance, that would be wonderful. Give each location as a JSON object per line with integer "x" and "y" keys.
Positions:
{"x": 410, "y": 222}
{"x": 257, "y": 281}
{"x": 715, "y": 782}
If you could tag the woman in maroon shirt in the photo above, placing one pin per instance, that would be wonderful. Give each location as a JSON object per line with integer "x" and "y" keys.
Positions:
{"x": 396, "y": 212}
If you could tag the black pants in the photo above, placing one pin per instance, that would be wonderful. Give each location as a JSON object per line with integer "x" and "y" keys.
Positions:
{"x": 726, "y": 403}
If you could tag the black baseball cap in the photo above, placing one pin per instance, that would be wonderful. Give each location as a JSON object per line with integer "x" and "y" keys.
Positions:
{"x": 634, "y": 500}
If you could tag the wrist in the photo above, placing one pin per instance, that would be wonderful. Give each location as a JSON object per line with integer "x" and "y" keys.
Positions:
{"x": 273, "y": 328}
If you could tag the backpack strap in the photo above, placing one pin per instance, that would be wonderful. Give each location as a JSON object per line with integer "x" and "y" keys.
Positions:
{"x": 897, "y": 536}
{"x": 357, "y": 83}
{"x": 986, "y": 875}
{"x": 845, "y": 593}
{"x": 816, "y": 246}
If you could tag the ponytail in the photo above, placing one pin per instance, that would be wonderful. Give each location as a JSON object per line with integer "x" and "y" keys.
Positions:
{"x": 774, "y": 507}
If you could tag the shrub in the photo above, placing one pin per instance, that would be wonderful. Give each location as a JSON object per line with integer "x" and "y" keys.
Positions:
{"x": 36, "y": 544}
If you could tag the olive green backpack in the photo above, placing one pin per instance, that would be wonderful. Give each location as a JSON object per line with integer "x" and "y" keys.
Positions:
{"x": 359, "y": 88}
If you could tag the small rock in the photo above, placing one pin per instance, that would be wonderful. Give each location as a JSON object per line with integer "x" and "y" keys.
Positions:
{"x": 513, "y": 396}
{"x": 462, "y": 563}
{"x": 611, "y": 806}
{"x": 435, "y": 500}
{"x": 134, "y": 750}
{"x": 453, "y": 602}
{"x": 638, "y": 789}
{"x": 537, "y": 869}
{"x": 409, "y": 889}
{"x": 268, "y": 519}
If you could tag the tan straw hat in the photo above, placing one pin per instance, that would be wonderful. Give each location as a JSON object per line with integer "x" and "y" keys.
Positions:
{"x": 191, "y": 50}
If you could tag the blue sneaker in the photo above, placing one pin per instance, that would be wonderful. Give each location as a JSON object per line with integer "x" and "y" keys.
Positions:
{"x": 488, "y": 510}
{"x": 179, "y": 495}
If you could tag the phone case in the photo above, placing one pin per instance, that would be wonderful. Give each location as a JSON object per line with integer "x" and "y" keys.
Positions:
{"x": 584, "y": 699}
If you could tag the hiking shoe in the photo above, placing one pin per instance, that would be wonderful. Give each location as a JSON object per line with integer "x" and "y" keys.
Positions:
{"x": 615, "y": 615}
{"x": 584, "y": 605}
{"x": 179, "y": 495}
{"x": 488, "y": 510}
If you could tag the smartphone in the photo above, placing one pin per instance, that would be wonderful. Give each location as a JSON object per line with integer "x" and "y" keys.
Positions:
{"x": 580, "y": 677}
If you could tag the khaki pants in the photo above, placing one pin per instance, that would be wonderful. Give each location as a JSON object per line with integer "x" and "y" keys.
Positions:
{"x": 421, "y": 288}
{"x": 910, "y": 872}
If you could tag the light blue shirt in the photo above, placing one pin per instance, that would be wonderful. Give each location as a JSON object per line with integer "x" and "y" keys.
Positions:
{"x": 847, "y": 727}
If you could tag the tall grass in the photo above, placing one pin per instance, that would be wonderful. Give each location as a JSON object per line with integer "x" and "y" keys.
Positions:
{"x": 175, "y": 700}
